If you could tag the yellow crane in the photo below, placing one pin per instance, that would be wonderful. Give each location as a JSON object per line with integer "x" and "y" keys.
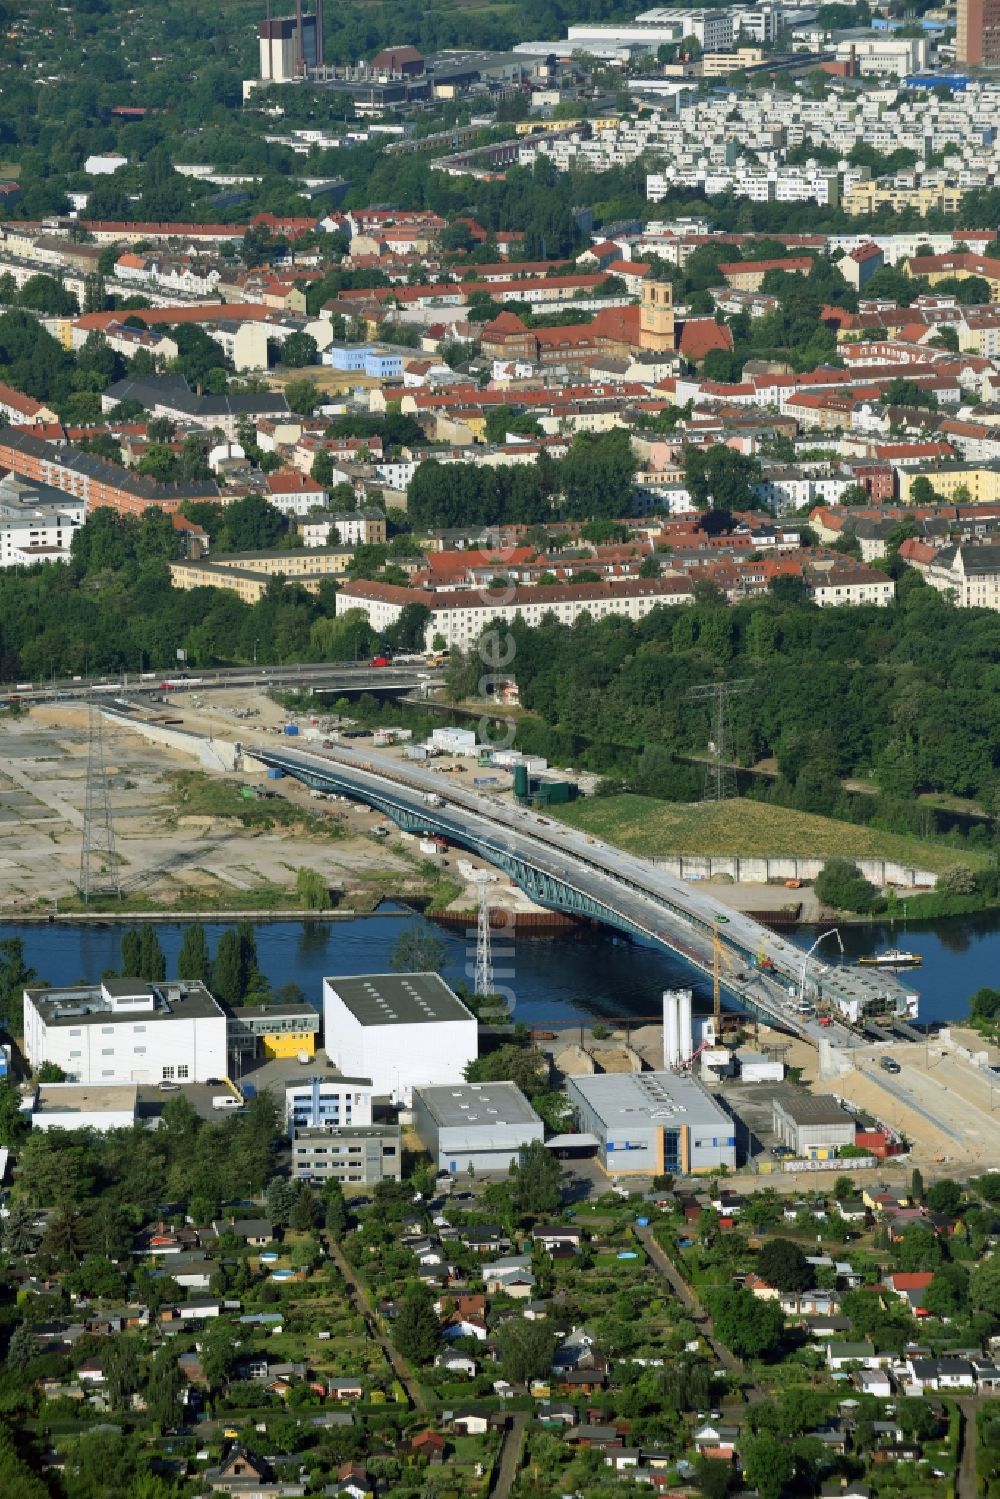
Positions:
{"x": 721, "y": 958}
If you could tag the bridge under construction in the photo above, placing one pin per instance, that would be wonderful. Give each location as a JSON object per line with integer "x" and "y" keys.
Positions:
{"x": 566, "y": 870}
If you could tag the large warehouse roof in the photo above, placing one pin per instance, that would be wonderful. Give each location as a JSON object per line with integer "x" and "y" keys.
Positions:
{"x": 399, "y": 999}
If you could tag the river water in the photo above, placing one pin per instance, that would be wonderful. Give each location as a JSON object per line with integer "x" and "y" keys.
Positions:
{"x": 579, "y": 976}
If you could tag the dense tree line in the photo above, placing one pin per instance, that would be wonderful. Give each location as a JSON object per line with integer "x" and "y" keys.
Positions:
{"x": 904, "y": 696}
{"x": 593, "y": 480}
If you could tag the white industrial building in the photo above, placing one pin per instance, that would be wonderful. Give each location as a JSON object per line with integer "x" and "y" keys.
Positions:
{"x": 126, "y": 1030}
{"x": 403, "y": 1030}
{"x": 648, "y": 1123}
{"x": 97, "y": 1106}
{"x": 483, "y": 1125}
{"x": 328, "y": 1101}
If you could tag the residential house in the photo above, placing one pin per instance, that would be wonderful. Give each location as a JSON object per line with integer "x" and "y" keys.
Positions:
{"x": 945, "y": 1373}
{"x": 845, "y": 1355}
{"x": 471, "y": 1423}
{"x": 345, "y": 1389}
{"x": 874, "y": 1382}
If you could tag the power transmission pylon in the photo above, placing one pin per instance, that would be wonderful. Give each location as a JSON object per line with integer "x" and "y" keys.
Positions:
{"x": 99, "y": 872}
{"x": 484, "y": 954}
{"x": 720, "y": 773}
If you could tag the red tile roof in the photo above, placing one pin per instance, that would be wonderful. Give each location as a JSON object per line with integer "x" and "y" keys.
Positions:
{"x": 700, "y": 335}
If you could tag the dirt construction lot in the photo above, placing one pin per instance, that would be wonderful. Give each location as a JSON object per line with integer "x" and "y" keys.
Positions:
{"x": 167, "y": 856}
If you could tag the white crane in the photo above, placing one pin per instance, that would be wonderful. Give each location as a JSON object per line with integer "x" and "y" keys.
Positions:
{"x": 833, "y": 932}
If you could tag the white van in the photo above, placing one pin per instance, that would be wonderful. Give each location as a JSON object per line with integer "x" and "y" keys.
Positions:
{"x": 226, "y": 1101}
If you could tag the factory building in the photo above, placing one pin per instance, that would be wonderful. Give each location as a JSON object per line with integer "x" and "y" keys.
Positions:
{"x": 813, "y": 1126}
{"x": 127, "y": 1030}
{"x": 483, "y": 1125}
{"x": 328, "y": 1101}
{"x": 403, "y": 1030}
{"x": 648, "y": 1123}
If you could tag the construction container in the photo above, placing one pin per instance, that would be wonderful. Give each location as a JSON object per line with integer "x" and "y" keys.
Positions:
{"x": 291, "y": 729}
{"x": 521, "y": 782}
{"x": 274, "y": 774}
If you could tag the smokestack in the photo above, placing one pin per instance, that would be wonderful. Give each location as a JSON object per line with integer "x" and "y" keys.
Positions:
{"x": 320, "y": 59}
{"x": 300, "y": 56}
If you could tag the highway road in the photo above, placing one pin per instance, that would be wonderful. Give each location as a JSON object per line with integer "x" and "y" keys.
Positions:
{"x": 646, "y": 899}
{"x": 338, "y": 675}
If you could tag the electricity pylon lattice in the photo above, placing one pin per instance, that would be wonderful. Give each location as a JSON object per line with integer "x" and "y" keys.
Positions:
{"x": 720, "y": 772}
{"x": 484, "y": 953}
{"x": 99, "y": 866}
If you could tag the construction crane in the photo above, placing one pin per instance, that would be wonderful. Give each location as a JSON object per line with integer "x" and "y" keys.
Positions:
{"x": 721, "y": 956}
{"x": 833, "y": 932}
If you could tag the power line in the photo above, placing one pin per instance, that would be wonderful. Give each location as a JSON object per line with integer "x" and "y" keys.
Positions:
{"x": 99, "y": 861}
{"x": 484, "y": 953}
{"x": 720, "y": 773}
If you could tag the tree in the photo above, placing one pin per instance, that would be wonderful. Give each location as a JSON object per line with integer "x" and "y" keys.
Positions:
{"x": 193, "y": 960}
{"x": 152, "y": 962}
{"x": 298, "y": 350}
{"x": 18, "y": 1234}
{"x": 713, "y": 1477}
{"x": 536, "y": 1182}
{"x": 416, "y": 1331}
{"x": 984, "y": 1287}
{"x": 164, "y": 1389}
{"x": 312, "y": 890}
{"x": 768, "y": 1465}
{"x": 510, "y": 1064}
{"x": 302, "y": 396}
{"x": 922, "y": 491}
{"x": 749, "y": 1327}
{"x": 957, "y": 879}
{"x": 229, "y": 974}
{"x": 23, "y": 1347}
{"x": 335, "y": 1210}
{"x": 840, "y": 884}
{"x": 948, "y": 1293}
{"x": 131, "y": 952}
{"x": 720, "y": 478}
{"x": 304, "y": 1213}
{"x": 783, "y": 1265}
{"x": 945, "y": 1196}
{"x": 916, "y": 1185}
{"x": 280, "y": 1199}
{"x": 417, "y": 951}
{"x": 526, "y": 1349}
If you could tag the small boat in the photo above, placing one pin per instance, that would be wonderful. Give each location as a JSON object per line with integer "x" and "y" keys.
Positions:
{"x": 893, "y": 957}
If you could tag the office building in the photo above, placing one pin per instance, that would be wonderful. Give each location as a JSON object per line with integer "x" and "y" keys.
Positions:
{"x": 328, "y": 1101}
{"x": 287, "y": 1030}
{"x": 126, "y": 1030}
{"x": 977, "y": 41}
{"x": 359, "y": 1154}
{"x": 403, "y": 1030}
{"x": 483, "y": 1125}
{"x": 811, "y": 1125}
{"x": 648, "y": 1123}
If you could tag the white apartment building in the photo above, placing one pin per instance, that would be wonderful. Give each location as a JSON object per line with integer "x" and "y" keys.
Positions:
{"x": 403, "y": 1030}
{"x": 37, "y": 522}
{"x": 885, "y": 54}
{"x": 866, "y": 586}
{"x": 461, "y": 617}
{"x": 969, "y": 573}
{"x": 349, "y": 528}
{"x": 126, "y": 1030}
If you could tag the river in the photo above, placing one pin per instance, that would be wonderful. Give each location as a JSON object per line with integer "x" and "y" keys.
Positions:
{"x": 579, "y": 976}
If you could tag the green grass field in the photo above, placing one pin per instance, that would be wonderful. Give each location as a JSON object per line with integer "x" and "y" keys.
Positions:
{"x": 643, "y": 825}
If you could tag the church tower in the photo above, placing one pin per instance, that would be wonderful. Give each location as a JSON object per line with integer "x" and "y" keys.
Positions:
{"x": 656, "y": 317}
